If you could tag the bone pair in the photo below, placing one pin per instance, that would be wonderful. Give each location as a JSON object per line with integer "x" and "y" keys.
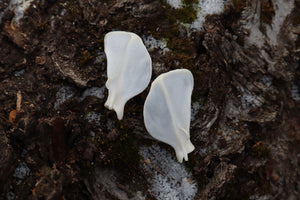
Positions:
{"x": 167, "y": 109}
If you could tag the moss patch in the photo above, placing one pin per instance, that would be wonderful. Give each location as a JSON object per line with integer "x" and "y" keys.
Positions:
{"x": 85, "y": 57}
{"x": 187, "y": 14}
{"x": 123, "y": 155}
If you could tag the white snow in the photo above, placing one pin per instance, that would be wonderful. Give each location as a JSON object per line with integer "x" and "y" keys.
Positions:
{"x": 282, "y": 9}
{"x": 211, "y": 6}
{"x": 104, "y": 182}
{"x": 204, "y": 8}
{"x": 253, "y": 21}
{"x": 250, "y": 100}
{"x": 110, "y": 124}
{"x": 266, "y": 80}
{"x": 19, "y": 72}
{"x": 170, "y": 181}
{"x": 207, "y": 7}
{"x": 10, "y": 195}
{"x": 100, "y": 57}
{"x": 93, "y": 117}
{"x": 175, "y": 3}
{"x": 19, "y": 7}
{"x": 257, "y": 197}
{"x": 21, "y": 172}
{"x": 93, "y": 91}
{"x": 295, "y": 92}
{"x": 151, "y": 43}
{"x": 252, "y": 24}
{"x": 203, "y": 151}
{"x": 3, "y": 8}
{"x": 195, "y": 110}
{"x": 63, "y": 94}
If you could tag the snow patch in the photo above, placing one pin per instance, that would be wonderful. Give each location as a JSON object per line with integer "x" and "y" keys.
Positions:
{"x": 104, "y": 183}
{"x": 207, "y": 7}
{"x": 203, "y": 151}
{"x": 252, "y": 24}
{"x": 170, "y": 180}
{"x": 151, "y": 44}
{"x": 253, "y": 21}
{"x": 295, "y": 92}
{"x": 19, "y": 7}
{"x": 19, "y": 73}
{"x": 232, "y": 109}
{"x": 21, "y": 172}
{"x": 92, "y": 134}
{"x": 175, "y": 3}
{"x": 195, "y": 110}
{"x": 212, "y": 6}
{"x": 94, "y": 91}
{"x": 110, "y": 125}
{"x": 100, "y": 57}
{"x": 62, "y": 95}
{"x": 282, "y": 9}
{"x": 93, "y": 117}
{"x": 250, "y": 100}
{"x": 4, "y": 6}
{"x": 10, "y": 195}
{"x": 63, "y": 12}
{"x": 256, "y": 197}
{"x": 204, "y": 8}
{"x": 266, "y": 80}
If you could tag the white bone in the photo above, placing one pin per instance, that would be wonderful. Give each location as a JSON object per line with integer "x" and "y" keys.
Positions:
{"x": 129, "y": 68}
{"x": 167, "y": 110}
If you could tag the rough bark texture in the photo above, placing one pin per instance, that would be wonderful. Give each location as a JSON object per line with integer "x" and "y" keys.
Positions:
{"x": 59, "y": 142}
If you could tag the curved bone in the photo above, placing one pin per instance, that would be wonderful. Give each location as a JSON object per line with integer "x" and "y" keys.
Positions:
{"x": 128, "y": 68}
{"x": 167, "y": 110}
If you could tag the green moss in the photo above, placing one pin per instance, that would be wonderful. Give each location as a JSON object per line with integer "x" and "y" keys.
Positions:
{"x": 187, "y": 14}
{"x": 100, "y": 43}
{"x": 123, "y": 155}
{"x": 85, "y": 57}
